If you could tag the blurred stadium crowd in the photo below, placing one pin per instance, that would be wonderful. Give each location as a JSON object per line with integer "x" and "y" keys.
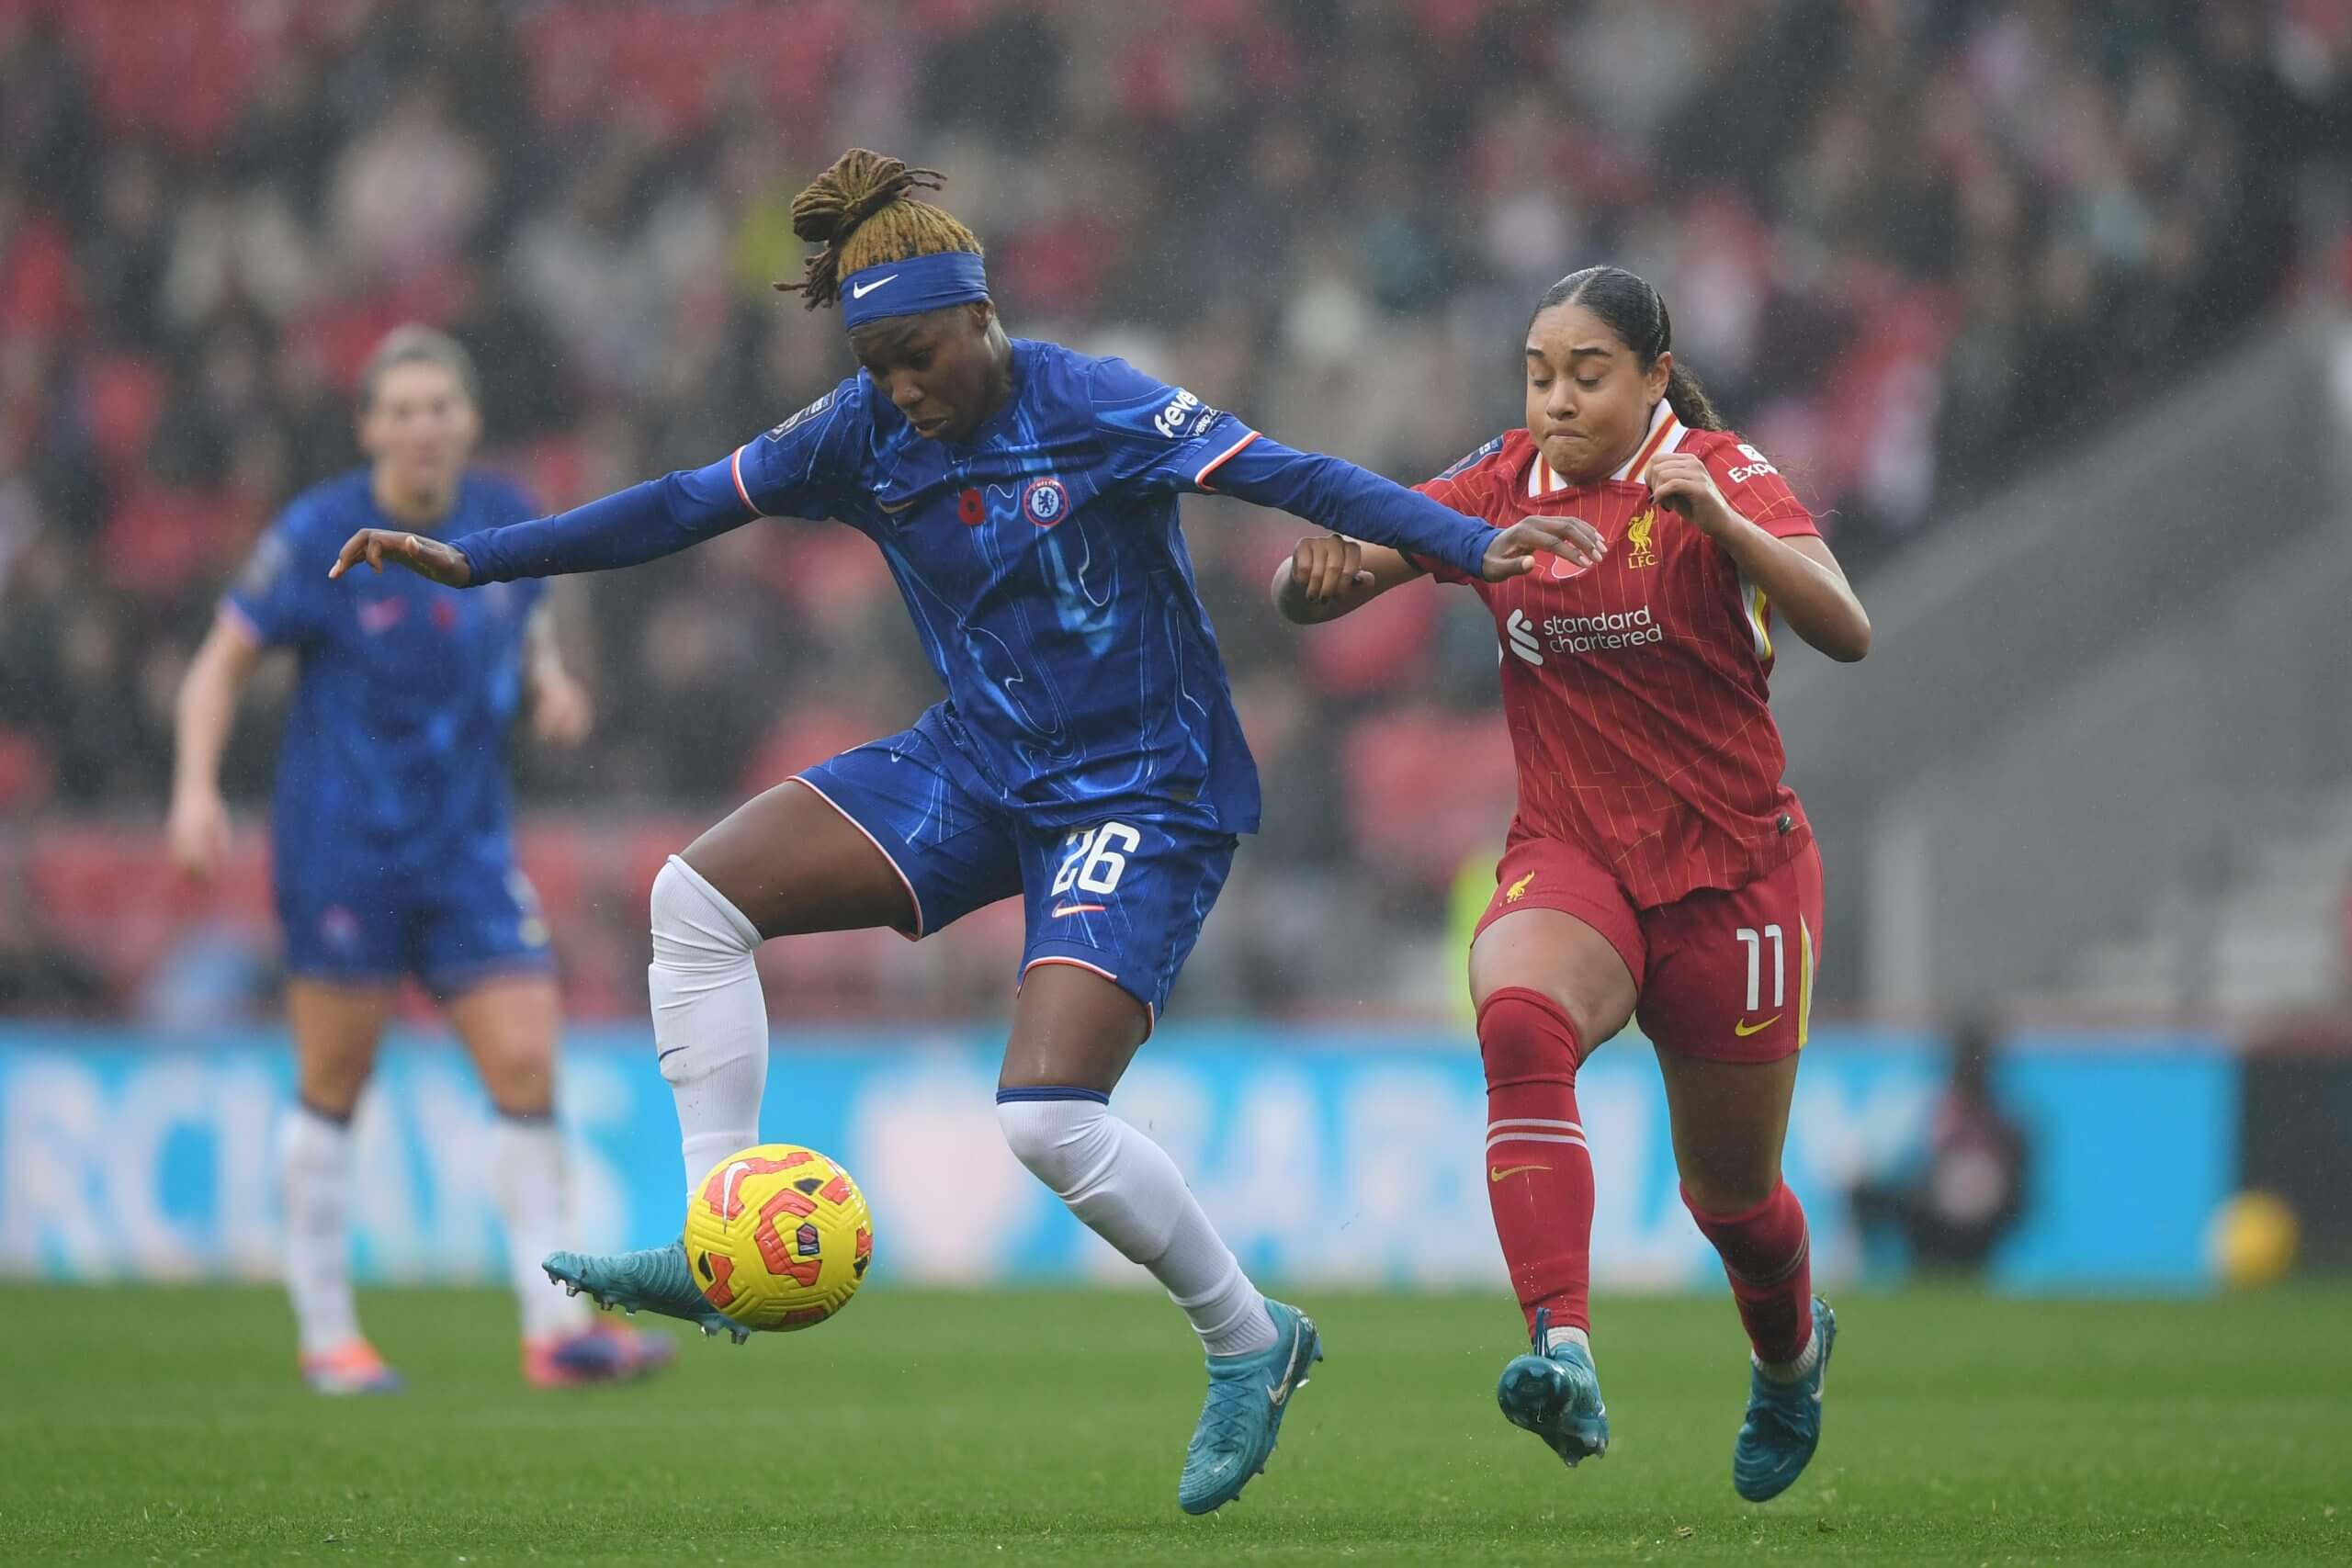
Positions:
{"x": 1910, "y": 243}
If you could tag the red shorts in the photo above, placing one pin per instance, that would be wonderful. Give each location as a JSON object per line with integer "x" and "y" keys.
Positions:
{"x": 1722, "y": 974}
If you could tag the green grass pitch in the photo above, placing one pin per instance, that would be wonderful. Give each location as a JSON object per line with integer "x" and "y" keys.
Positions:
{"x": 164, "y": 1426}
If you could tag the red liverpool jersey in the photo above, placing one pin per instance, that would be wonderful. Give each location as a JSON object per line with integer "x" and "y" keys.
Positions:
{"x": 1637, "y": 690}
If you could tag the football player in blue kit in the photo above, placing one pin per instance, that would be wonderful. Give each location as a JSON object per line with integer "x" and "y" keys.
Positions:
{"x": 391, "y": 848}
{"x": 1088, "y": 759}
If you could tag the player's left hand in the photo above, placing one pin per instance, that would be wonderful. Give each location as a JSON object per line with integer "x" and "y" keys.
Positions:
{"x": 443, "y": 563}
{"x": 1512, "y": 552}
{"x": 561, "y": 713}
{"x": 1684, "y": 487}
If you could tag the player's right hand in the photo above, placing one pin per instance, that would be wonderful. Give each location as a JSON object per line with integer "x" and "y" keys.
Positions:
{"x": 198, "y": 832}
{"x": 1511, "y": 553}
{"x": 443, "y": 563}
{"x": 1323, "y": 568}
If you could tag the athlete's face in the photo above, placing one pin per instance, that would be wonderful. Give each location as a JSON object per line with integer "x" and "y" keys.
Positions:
{"x": 1588, "y": 398}
{"x": 947, "y": 369}
{"x": 419, "y": 429}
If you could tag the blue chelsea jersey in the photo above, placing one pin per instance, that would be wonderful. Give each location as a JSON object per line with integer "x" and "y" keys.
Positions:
{"x": 394, "y": 756}
{"x": 1046, "y": 572}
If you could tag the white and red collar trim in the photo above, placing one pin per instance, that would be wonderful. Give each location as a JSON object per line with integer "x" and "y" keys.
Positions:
{"x": 1666, "y": 434}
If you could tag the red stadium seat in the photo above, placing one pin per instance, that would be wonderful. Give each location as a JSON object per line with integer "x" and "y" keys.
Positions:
{"x": 158, "y": 538}
{"x": 122, "y": 395}
{"x": 23, "y": 771}
{"x": 1450, "y": 776}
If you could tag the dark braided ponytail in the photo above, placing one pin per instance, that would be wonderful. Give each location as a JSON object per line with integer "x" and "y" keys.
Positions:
{"x": 862, "y": 212}
{"x": 1636, "y": 312}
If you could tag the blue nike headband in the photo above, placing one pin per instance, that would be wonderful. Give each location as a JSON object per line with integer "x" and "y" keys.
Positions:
{"x": 911, "y": 287}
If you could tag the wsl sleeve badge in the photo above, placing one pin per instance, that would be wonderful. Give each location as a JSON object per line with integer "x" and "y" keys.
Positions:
{"x": 778, "y": 1237}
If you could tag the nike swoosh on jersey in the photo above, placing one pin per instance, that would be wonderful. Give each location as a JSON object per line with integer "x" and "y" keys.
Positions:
{"x": 1061, "y": 909}
{"x": 1744, "y": 1029}
{"x": 860, "y": 290}
{"x": 1497, "y": 1174}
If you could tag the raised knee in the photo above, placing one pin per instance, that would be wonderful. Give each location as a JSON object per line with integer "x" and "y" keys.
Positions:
{"x": 692, "y": 919}
{"x": 1051, "y": 1132}
{"x": 1524, "y": 1035}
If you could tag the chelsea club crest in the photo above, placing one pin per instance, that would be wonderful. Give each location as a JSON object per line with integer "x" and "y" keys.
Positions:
{"x": 1046, "y": 503}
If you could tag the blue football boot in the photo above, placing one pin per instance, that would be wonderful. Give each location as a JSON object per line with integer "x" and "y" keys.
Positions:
{"x": 1784, "y": 1425}
{"x": 1248, "y": 1395}
{"x": 1556, "y": 1395}
{"x": 655, "y": 1279}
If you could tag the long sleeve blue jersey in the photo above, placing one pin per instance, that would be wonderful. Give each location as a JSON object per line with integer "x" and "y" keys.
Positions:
{"x": 1042, "y": 563}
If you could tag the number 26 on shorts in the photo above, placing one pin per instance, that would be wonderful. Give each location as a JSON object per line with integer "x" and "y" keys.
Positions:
{"x": 1097, "y": 858}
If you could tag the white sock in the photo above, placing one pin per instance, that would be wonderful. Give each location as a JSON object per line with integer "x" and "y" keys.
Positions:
{"x": 1130, "y": 1193}
{"x": 531, "y": 1199}
{"x": 313, "y": 1182}
{"x": 710, "y": 1019}
{"x": 1555, "y": 1338}
{"x": 1798, "y": 1369}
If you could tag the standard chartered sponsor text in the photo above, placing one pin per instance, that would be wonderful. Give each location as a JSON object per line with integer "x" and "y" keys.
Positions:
{"x": 1593, "y": 634}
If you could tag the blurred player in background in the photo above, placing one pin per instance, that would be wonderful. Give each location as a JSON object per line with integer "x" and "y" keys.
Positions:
{"x": 392, "y": 844}
{"x": 1963, "y": 1188}
{"x": 1658, "y": 864}
{"x": 1088, "y": 759}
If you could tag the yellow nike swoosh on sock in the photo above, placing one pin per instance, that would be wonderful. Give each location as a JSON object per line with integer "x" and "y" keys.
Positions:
{"x": 1495, "y": 1175}
{"x": 1745, "y": 1030}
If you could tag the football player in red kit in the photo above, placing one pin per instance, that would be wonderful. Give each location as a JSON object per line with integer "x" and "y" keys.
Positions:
{"x": 1657, "y": 867}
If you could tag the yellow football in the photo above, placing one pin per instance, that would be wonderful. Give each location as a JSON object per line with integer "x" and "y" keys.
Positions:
{"x": 778, "y": 1236}
{"x": 2253, "y": 1239}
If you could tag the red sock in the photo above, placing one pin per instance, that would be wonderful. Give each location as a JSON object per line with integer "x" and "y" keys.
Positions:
{"x": 1769, "y": 1260}
{"x": 1539, "y": 1173}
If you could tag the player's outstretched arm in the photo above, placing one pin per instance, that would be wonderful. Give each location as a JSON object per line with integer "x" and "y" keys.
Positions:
{"x": 1798, "y": 574}
{"x": 1329, "y": 575}
{"x": 640, "y": 524}
{"x": 1344, "y": 498}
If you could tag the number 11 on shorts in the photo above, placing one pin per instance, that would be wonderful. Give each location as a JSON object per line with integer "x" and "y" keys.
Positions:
{"x": 1754, "y": 941}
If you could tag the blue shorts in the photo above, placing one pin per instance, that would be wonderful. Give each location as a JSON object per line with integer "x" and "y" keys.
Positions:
{"x": 468, "y": 924}
{"x": 1124, "y": 897}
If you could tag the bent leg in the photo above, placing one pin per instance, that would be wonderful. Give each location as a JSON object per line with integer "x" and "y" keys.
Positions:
{"x": 785, "y": 862}
{"x": 1729, "y": 1120}
{"x": 1728, "y": 1005}
{"x": 1073, "y": 1035}
{"x": 1548, "y": 987}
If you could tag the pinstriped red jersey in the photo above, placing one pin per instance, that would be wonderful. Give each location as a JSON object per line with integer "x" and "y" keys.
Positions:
{"x": 1636, "y": 691}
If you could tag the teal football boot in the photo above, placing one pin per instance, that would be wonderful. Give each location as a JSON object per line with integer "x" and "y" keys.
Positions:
{"x": 1248, "y": 1395}
{"x": 1556, "y": 1395}
{"x": 655, "y": 1279}
{"x": 1784, "y": 1425}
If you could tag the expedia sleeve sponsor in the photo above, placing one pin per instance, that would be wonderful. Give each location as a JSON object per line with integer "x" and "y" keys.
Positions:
{"x": 1598, "y": 634}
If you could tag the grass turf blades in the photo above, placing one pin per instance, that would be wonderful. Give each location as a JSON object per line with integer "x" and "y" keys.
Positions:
{"x": 166, "y": 1425}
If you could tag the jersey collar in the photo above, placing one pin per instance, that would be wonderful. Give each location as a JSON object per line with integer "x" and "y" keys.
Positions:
{"x": 1666, "y": 434}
